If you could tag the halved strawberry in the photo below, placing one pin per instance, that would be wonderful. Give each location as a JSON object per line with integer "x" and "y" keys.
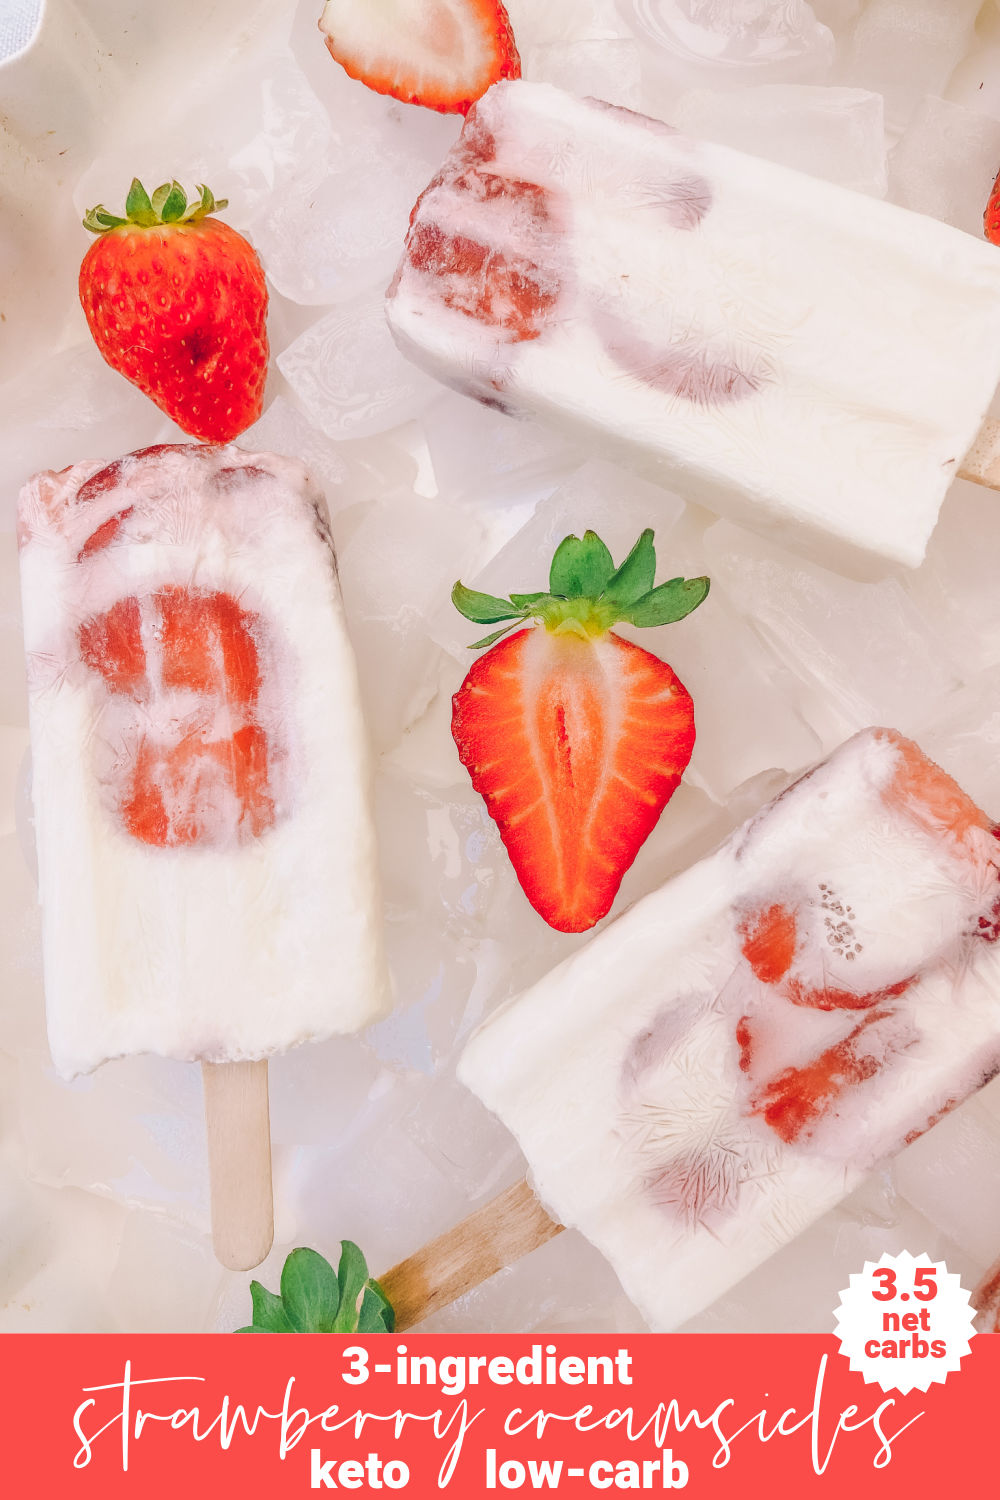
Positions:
{"x": 443, "y": 54}
{"x": 575, "y": 737}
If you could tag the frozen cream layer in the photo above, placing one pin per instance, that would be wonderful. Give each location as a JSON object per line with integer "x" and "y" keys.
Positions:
{"x": 207, "y": 866}
{"x": 724, "y": 1062}
{"x": 808, "y": 360}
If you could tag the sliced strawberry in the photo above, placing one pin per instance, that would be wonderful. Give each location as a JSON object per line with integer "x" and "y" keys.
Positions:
{"x": 443, "y": 54}
{"x": 575, "y": 737}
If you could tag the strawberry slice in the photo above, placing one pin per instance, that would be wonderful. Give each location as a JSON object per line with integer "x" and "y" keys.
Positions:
{"x": 443, "y": 54}
{"x": 575, "y": 737}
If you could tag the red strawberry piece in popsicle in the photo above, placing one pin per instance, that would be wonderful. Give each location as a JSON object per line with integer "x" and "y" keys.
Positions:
{"x": 443, "y": 54}
{"x": 177, "y": 303}
{"x": 195, "y": 769}
{"x": 796, "y": 1099}
{"x": 576, "y": 737}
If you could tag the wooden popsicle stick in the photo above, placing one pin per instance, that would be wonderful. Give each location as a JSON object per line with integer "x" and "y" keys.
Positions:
{"x": 476, "y": 1249}
{"x": 982, "y": 462}
{"x": 238, "y": 1126}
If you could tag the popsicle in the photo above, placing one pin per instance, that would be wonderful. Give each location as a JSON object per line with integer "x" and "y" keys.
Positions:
{"x": 723, "y": 1063}
{"x": 810, "y": 361}
{"x": 200, "y": 773}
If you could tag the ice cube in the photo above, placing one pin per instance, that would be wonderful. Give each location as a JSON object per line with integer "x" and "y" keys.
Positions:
{"x": 862, "y": 651}
{"x": 397, "y": 567}
{"x": 165, "y": 1279}
{"x": 956, "y": 587}
{"x": 72, "y": 406}
{"x": 350, "y": 378}
{"x": 796, "y": 1290}
{"x": 565, "y": 1286}
{"x": 133, "y": 1132}
{"x": 905, "y": 49}
{"x": 59, "y": 1271}
{"x": 975, "y": 83}
{"x": 565, "y": 20}
{"x": 259, "y": 134}
{"x": 952, "y": 1175}
{"x": 283, "y": 429}
{"x": 500, "y": 466}
{"x": 380, "y": 1189}
{"x": 835, "y": 133}
{"x": 328, "y": 241}
{"x": 733, "y": 40}
{"x": 946, "y": 162}
{"x": 599, "y": 69}
{"x": 837, "y": 14}
{"x": 963, "y": 736}
{"x": 13, "y": 687}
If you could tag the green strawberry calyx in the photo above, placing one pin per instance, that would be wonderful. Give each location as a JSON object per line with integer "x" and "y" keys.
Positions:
{"x": 168, "y": 205}
{"x": 315, "y": 1298}
{"x": 587, "y": 594}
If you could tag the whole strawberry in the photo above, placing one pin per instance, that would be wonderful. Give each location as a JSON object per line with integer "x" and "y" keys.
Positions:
{"x": 575, "y": 737}
{"x": 177, "y": 303}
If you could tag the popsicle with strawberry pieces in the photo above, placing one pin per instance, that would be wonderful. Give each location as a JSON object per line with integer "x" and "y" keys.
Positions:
{"x": 576, "y": 737}
{"x": 200, "y": 771}
{"x": 738, "y": 331}
{"x": 724, "y": 1062}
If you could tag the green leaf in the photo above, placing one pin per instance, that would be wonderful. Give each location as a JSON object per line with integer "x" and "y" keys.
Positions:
{"x": 138, "y": 207}
{"x": 97, "y": 220}
{"x": 376, "y": 1314}
{"x": 636, "y": 575}
{"x": 170, "y": 202}
{"x": 581, "y": 567}
{"x": 310, "y": 1292}
{"x": 352, "y": 1273}
{"x": 668, "y": 603}
{"x": 491, "y": 640}
{"x": 269, "y": 1314}
{"x": 485, "y": 609}
{"x": 525, "y": 601}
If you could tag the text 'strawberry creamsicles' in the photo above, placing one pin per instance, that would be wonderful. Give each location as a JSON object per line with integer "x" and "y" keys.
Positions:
{"x": 724, "y": 1062}
{"x": 810, "y": 361}
{"x": 200, "y": 771}
{"x": 576, "y": 737}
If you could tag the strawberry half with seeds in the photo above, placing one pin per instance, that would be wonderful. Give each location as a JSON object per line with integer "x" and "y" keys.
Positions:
{"x": 177, "y": 303}
{"x": 575, "y": 737}
{"x": 443, "y": 54}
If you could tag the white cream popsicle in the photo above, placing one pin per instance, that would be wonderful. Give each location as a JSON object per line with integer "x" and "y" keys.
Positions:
{"x": 808, "y": 360}
{"x": 724, "y": 1062}
{"x": 200, "y": 771}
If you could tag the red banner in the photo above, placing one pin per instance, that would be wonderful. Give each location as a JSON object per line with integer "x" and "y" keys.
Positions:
{"x": 259, "y": 1415}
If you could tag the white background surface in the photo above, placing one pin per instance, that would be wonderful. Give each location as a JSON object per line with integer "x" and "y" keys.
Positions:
{"x": 103, "y": 1211}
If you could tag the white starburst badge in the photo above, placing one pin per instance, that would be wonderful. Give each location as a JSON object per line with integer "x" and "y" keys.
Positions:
{"x": 904, "y": 1322}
